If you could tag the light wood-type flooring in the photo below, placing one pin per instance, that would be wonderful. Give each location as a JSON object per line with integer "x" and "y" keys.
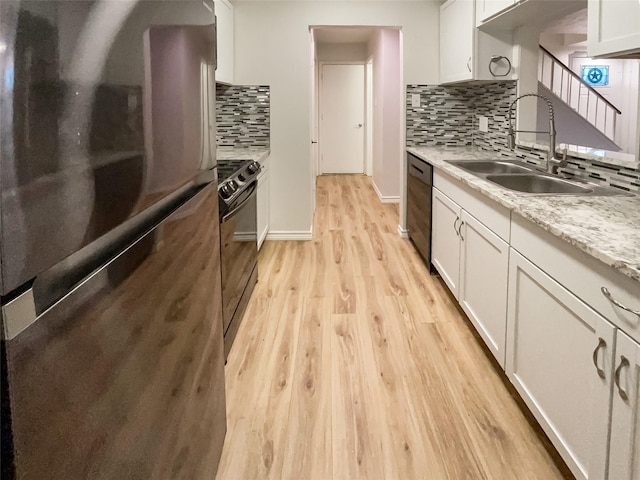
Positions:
{"x": 353, "y": 362}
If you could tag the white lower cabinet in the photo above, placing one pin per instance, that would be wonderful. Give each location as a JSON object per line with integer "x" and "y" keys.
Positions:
{"x": 484, "y": 269}
{"x": 262, "y": 199}
{"x": 560, "y": 360}
{"x": 624, "y": 456}
{"x": 546, "y": 312}
{"x": 445, "y": 239}
{"x": 473, "y": 262}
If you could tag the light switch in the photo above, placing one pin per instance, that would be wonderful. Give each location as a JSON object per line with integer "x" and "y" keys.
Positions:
{"x": 484, "y": 123}
{"x": 415, "y": 100}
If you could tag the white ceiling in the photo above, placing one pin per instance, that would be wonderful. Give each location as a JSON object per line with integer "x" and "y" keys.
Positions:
{"x": 343, "y": 34}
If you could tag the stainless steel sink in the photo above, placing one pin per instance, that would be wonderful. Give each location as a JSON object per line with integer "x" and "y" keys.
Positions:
{"x": 491, "y": 166}
{"x": 538, "y": 183}
{"x": 525, "y": 179}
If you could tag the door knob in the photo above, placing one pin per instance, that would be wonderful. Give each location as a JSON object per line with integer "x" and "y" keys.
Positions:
{"x": 359, "y": 125}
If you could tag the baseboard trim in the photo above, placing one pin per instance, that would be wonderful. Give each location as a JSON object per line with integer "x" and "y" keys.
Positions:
{"x": 403, "y": 232}
{"x": 382, "y": 198}
{"x": 290, "y": 235}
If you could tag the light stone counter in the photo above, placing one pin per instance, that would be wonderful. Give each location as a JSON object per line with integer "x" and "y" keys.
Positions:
{"x": 259, "y": 154}
{"x": 607, "y": 228}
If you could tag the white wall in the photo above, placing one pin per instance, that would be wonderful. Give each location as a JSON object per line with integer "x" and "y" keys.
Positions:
{"x": 272, "y": 48}
{"x": 387, "y": 113}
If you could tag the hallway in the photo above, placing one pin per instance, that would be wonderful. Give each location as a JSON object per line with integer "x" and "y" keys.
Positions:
{"x": 353, "y": 362}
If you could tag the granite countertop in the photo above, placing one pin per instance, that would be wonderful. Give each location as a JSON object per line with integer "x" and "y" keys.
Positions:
{"x": 259, "y": 154}
{"x": 607, "y": 228}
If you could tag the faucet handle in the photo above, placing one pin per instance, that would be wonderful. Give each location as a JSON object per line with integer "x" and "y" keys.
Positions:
{"x": 511, "y": 139}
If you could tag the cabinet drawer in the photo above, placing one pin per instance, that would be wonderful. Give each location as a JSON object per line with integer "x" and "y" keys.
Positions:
{"x": 580, "y": 273}
{"x": 496, "y": 217}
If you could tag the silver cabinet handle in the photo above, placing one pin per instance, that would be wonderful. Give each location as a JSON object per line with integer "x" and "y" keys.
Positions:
{"x": 605, "y": 291}
{"x": 601, "y": 344}
{"x": 460, "y": 230}
{"x": 624, "y": 362}
{"x": 469, "y": 64}
{"x": 456, "y": 228}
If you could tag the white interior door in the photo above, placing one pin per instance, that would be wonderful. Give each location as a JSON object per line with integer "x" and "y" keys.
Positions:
{"x": 342, "y": 98}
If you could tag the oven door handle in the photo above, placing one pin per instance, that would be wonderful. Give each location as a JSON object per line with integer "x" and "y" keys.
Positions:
{"x": 242, "y": 204}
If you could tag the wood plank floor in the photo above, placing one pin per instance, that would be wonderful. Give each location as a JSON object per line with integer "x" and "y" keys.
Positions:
{"x": 353, "y": 362}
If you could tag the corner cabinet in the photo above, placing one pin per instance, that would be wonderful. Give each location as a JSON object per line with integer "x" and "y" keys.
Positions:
{"x": 613, "y": 28}
{"x": 263, "y": 195}
{"x": 465, "y": 51}
{"x": 225, "y": 46}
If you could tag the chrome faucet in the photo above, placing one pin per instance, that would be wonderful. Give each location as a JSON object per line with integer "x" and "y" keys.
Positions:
{"x": 552, "y": 162}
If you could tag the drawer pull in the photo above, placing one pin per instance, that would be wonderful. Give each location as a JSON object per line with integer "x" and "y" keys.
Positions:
{"x": 456, "y": 228}
{"x": 607, "y": 293}
{"x": 460, "y": 230}
{"x": 624, "y": 362}
{"x": 418, "y": 169}
{"x": 601, "y": 344}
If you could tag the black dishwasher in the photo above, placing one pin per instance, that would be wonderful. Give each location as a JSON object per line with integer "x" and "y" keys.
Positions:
{"x": 419, "y": 183}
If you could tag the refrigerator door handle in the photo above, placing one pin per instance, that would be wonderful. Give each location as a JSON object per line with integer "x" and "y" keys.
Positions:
{"x": 49, "y": 289}
{"x": 18, "y": 314}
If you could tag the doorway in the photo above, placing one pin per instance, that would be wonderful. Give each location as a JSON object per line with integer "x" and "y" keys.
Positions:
{"x": 342, "y": 118}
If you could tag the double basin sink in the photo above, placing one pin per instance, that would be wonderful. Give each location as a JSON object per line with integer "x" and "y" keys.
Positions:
{"x": 525, "y": 179}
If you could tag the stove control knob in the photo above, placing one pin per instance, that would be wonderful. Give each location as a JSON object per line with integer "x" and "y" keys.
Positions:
{"x": 228, "y": 188}
{"x": 253, "y": 168}
{"x": 242, "y": 177}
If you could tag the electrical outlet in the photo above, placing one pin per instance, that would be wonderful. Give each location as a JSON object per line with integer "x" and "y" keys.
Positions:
{"x": 483, "y": 123}
{"x": 415, "y": 100}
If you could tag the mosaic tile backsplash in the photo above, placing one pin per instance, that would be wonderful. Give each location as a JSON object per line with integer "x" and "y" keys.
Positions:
{"x": 242, "y": 116}
{"x": 448, "y": 115}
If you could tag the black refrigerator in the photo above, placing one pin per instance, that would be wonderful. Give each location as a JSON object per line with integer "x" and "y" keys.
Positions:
{"x": 112, "y": 353}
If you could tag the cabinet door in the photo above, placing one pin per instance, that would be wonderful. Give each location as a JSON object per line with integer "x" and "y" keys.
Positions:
{"x": 445, "y": 239}
{"x": 560, "y": 360}
{"x": 613, "y": 27}
{"x": 263, "y": 206}
{"x": 224, "y": 16}
{"x": 488, "y": 8}
{"x": 457, "y": 26}
{"x": 624, "y": 459}
{"x": 484, "y": 269}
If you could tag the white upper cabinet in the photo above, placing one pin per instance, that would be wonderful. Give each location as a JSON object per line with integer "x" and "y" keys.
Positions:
{"x": 456, "y": 41}
{"x": 613, "y": 28}
{"x": 465, "y": 51}
{"x": 488, "y": 8}
{"x": 224, "y": 15}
